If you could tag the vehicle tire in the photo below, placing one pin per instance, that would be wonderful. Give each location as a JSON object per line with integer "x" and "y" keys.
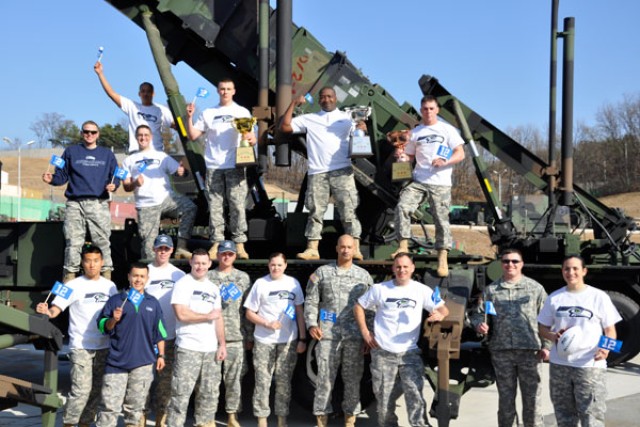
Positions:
{"x": 304, "y": 382}
{"x": 628, "y": 330}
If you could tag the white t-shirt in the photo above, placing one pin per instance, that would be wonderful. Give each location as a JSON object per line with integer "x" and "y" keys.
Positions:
{"x": 398, "y": 309}
{"x": 327, "y": 139}
{"x": 85, "y": 303}
{"x": 156, "y": 116}
{"x": 201, "y": 296}
{"x": 424, "y": 144}
{"x": 270, "y": 298}
{"x": 156, "y": 166}
{"x": 160, "y": 285}
{"x": 221, "y": 137}
{"x": 591, "y": 310}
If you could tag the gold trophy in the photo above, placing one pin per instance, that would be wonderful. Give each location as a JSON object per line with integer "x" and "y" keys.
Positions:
{"x": 245, "y": 155}
{"x": 359, "y": 143}
{"x": 401, "y": 168}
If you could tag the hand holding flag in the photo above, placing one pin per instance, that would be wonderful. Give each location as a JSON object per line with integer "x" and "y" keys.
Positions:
{"x": 135, "y": 297}
{"x": 61, "y": 290}
{"x": 120, "y": 173}
{"x": 200, "y": 93}
{"x": 56, "y": 161}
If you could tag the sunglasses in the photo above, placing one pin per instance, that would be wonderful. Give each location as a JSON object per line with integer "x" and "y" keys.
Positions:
{"x": 87, "y": 132}
{"x": 511, "y": 261}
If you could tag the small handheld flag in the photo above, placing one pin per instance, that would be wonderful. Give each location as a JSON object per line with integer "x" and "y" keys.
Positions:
{"x": 489, "y": 308}
{"x": 61, "y": 290}
{"x": 290, "y": 312}
{"x": 435, "y": 297}
{"x": 327, "y": 316}
{"x": 135, "y": 297}
{"x": 100, "y": 52}
{"x": 444, "y": 152}
{"x": 230, "y": 291}
{"x": 200, "y": 93}
{"x": 610, "y": 344}
{"x": 121, "y": 173}
{"x": 142, "y": 165}
{"x": 57, "y": 161}
{"x": 309, "y": 98}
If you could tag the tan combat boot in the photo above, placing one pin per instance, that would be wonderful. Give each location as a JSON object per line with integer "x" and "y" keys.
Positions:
{"x": 443, "y": 267}
{"x": 282, "y": 421}
{"x": 67, "y": 276}
{"x": 161, "y": 419}
{"x": 356, "y": 252}
{"x": 349, "y": 420}
{"x": 107, "y": 274}
{"x": 403, "y": 247}
{"x": 311, "y": 252}
{"x": 242, "y": 254}
{"x": 232, "y": 420}
{"x": 262, "y": 421}
{"x": 181, "y": 249}
{"x": 213, "y": 252}
{"x": 322, "y": 420}
{"x": 143, "y": 421}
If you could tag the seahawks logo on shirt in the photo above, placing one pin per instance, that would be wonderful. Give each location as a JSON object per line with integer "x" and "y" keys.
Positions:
{"x": 574, "y": 311}
{"x": 225, "y": 118}
{"x": 401, "y": 302}
{"x": 98, "y": 297}
{"x": 164, "y": 284}
{"x": 148, "y": 117}
{"x": 204, "y": 296}
{"x": 430, "y": 139}
{"x": 280, "y": 295}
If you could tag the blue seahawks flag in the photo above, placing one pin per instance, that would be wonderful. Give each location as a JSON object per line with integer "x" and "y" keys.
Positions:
{"x": 230, "y": 291}
{"x": 290, "y": 311}
{"x": 121, "y": 173}
{"x": 309, "y": 98}
{"x": 135, "y": 297}
{"x": 444, "y": 152}
{"x": 610, "y": 344}
{"x": 61, "y": 290}
{"x": 489, "y": 308}
{"x": 142, "y": 165}
{"x": 327, "y": 316}
{"x": 57, "y": 161}
{"x": 435, "y": 296}
{"x": 202, "y": 92}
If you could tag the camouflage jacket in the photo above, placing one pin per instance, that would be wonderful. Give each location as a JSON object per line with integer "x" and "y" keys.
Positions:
{"x": 515, "y": 325}
{"x": 330, "y": 296}
{"x": 234, "y": 288}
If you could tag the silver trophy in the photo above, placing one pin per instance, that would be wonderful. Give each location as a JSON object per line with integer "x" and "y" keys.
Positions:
{"x": 360, "y": 143}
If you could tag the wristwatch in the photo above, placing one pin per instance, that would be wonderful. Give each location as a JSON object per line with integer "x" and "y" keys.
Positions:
{"x": 161, "y": 356}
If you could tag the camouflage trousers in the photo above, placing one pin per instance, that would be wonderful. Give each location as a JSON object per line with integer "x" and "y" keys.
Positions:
{"x": 87, "y": 369}
{"x": 578, "y": 395}
{"x": 331, "y": 355}
{"x": 386, "y": 369}
{"x": 269, "y": 361}
{"x": 202, "y": 372}
{"x": 439, "y": 198}
{"x": 149, "y": 220}
{"x": 160, "y": 393}
{"x": 233, "y": 369}
{"x": 125, "y": 392}
{"x": 229, "y": 183}
{"x": 79, "y": 216}
{"x": 320, "y": 187}
{"x": 513, "y": 367}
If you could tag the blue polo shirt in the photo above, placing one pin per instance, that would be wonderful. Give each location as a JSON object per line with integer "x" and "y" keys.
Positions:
{"x": 133, "y": 339}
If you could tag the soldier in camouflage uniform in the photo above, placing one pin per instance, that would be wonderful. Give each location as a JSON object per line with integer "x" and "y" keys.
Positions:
{"x": 436, "y": 146}
{"x": 223, "y": 178}
{"x": 515, "y": 346}
{"x": 200, "y": 345}
{"x": 332, "y": 292}
{"x": 136, "y": 329}
{"x": 329, "y": 168}
{"x": 148, "y": 178}
{"x": 238, "y": 331}
{"x": 395, "y": 356}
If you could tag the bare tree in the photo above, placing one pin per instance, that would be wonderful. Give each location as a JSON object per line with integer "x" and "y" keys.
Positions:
{"x": 45, "y": 128}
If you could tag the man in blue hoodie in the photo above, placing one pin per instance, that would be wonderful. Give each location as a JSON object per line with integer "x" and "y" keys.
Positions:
{"x": 134, "y": 323}
{"x": 88, "y": 170}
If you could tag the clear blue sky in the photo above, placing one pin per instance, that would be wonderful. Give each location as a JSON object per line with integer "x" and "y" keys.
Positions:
{"x": 493, "y": 55}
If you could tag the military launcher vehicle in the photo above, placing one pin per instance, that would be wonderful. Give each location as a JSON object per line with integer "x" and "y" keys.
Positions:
{"x": 271, "y": 59}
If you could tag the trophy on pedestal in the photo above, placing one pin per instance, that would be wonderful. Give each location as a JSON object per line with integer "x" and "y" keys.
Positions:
{"x": 359, "y": 143}
{"x": 401, "y": 168}
{"x": 245, "y": 155}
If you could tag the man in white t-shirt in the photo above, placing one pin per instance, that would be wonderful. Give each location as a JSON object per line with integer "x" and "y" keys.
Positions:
{"x": 436, "y": 146}
{"x": 329, "y": 168}
{"x": 200, "y": 344}
{"x": 85, "y": 297}
{"x": 224, "y": 180}
{"x": 398, "y": 306}
{"x": 577, "y": 381}
{"x": 162, "y": 277}
{"x": 148, "y": 178}
{"x": 146, "y": 112}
